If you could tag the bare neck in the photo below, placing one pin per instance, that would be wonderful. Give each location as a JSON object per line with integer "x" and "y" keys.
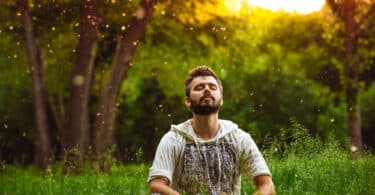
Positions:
{"x": 206, "y": 127}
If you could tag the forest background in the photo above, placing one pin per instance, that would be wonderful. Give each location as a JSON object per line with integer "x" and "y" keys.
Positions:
{"x": 112, "y": 74}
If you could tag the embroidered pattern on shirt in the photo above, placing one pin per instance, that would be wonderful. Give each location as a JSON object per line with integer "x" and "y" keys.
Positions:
{"x": 209, "y": 170}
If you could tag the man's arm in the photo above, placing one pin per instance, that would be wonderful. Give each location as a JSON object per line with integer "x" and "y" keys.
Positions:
{"x": 264, "y": 185}
{"x": 160, "y": 185}
{"x": 162, "y": 170}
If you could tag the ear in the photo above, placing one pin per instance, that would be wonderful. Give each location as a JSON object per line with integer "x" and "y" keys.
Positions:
{"x": 221, "y": 102}
{"x": 187, "y": 102}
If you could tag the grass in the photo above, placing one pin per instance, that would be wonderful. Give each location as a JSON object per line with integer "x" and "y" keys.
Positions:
{"x": 329, "y": 172}
{"x": 130, "y": 179}
{"x": 300, "y": 164}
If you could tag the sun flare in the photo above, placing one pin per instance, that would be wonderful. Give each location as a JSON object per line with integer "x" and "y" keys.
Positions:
{"x": 299, "y": 6}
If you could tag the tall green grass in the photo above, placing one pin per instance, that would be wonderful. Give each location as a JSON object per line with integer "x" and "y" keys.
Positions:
{"x": 330, "y": 172}
{"x": 130, "y": 179}
{"x": 300, "y": 164}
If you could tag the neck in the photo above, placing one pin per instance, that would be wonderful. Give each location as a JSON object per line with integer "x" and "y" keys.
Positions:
{"x": 206, "y": 126}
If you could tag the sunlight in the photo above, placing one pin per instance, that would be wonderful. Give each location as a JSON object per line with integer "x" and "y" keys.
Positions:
{"x": 300, "y": 6}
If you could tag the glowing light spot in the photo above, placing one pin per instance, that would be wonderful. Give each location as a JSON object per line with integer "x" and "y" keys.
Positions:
{"x": 78, "y": 80}
{"x": 140, "y": 13}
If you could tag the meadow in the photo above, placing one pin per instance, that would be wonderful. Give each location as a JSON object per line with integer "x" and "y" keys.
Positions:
{"x": 327, "y": 170}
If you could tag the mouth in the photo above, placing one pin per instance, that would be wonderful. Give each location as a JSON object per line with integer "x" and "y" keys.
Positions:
{"x": 206, "y": 99}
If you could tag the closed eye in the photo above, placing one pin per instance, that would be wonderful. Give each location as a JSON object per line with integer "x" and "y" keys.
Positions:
{"x": 199, "y": 87}
{"x": 213, "y": 87}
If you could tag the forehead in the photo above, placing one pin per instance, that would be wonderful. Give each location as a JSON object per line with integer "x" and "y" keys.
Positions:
{"x": 203, "y": 80}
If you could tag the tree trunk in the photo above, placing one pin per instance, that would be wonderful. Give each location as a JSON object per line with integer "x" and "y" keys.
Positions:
{"x": 104, "y": 124}
{"x": 42, "y": 142}
{"x": 352, "y": 84}
{"x": 76, "y": 135}
{"x": 346, "y": 12}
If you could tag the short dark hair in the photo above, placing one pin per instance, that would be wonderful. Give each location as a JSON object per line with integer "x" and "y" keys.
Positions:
{"x": 200, "y": 71}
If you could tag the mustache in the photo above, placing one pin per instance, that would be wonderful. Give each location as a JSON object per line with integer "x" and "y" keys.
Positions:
{"x": 207, "y": 95}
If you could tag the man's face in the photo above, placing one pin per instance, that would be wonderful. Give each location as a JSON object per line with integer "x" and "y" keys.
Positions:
{"x": 205, "y": 96}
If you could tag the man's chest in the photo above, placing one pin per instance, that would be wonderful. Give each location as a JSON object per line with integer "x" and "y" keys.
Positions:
{"x": 210, "y": 167}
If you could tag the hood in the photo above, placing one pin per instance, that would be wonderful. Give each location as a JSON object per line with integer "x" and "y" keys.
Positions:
{"x": 186, "y": 130}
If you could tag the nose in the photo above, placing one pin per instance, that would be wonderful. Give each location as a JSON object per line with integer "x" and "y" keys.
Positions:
{"x": 207, "y": 89}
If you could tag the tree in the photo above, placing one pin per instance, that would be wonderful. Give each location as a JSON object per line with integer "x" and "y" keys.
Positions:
{"x": 104, "y": 125}
{"x": 76, "y": 134}
{"x": 346, "y": 11}
{"x": 35, "y": 57}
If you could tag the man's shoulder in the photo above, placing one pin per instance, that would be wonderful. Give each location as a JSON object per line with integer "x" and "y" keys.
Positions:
{"x": 229, "y": 125}
{"x": 173, "y": 135}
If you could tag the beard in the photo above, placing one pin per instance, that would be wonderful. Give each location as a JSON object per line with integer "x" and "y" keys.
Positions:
{"x": 206, "y": 109}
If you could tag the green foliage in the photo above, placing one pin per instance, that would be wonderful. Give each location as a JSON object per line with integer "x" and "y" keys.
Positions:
{"x": 334, "y": 123}
{"x": 152, "y": 114}
{"x": 272, "y": 66}
{"x": 293, "y": 140}
{"x": 275, "y": 66}
{"x": 16, "y": 105}
{"x": 368, "y": 118}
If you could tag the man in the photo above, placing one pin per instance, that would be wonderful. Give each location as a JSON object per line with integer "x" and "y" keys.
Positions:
{"x": 206, "y": 155}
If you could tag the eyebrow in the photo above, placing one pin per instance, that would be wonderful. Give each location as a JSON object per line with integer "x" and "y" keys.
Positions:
{"x": 206, "y": 83}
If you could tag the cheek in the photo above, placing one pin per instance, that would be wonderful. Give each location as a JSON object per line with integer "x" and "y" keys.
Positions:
{"x": 217, "y": 94}
{"x": 194, "y": 95}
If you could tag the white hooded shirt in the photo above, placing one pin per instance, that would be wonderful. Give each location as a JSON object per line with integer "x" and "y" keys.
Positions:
{"x": 213, "y": 166}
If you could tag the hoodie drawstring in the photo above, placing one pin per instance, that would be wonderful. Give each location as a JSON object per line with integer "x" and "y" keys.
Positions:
{"x": 219, "y": 162}
{"x": 197, "y": 145}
